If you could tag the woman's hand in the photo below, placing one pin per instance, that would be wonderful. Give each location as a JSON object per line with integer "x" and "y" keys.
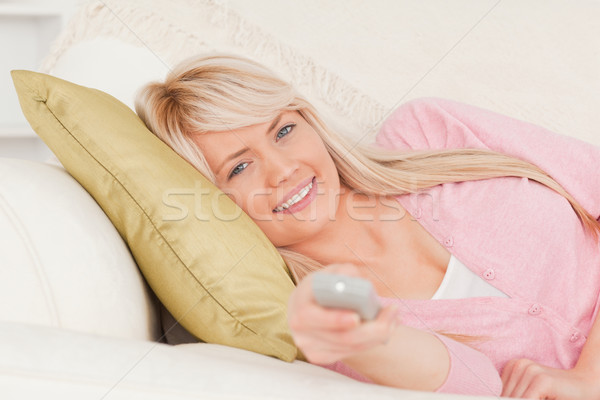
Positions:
{"x": 327, "y": 335}
{"x": 523, "y": 378}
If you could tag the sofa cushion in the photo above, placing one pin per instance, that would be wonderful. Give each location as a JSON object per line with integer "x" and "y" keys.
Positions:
{"x": 208, "y": 263}
{"x": 57, "y": 367}
{"x": 63, "y": 262}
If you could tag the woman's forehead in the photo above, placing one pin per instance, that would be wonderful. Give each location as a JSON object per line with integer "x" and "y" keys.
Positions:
{"x": 220, "y": 147}
{"x": 236, "y": 135}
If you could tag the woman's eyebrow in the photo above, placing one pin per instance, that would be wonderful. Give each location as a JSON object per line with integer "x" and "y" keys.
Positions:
{"x": 274, "y": 123}
{"x": 245, "y": 149}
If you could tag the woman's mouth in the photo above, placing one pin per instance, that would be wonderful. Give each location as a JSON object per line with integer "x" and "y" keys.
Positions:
{"x": 300, "y": 200}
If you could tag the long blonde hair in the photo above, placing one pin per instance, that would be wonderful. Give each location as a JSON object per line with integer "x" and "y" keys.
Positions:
{"x": 221, "y": 92}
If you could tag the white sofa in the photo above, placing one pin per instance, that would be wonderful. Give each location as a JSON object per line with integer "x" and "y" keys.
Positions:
{"x": 77, "y": 319}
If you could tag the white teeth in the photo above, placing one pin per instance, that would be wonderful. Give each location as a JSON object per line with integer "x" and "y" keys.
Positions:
{"x": 295, "y": 198}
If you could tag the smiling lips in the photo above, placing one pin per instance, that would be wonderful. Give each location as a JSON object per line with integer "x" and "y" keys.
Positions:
{"x": 301, "y": 194}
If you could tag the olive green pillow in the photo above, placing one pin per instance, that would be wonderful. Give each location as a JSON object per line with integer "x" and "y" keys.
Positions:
{"x": 206, "y": 260}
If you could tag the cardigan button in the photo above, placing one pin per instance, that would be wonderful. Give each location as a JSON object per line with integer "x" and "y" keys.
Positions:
{"x": 449, "y": 241}
{"x": 489, "y": 274}
{"x": 574, "y": 337}
{"x": 535, "y": 309}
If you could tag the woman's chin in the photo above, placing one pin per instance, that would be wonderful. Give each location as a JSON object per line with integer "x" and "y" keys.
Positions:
{"x": 294, "y": 232}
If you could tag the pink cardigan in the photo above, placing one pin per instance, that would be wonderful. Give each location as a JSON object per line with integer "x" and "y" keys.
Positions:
{"x": 518, "y": 235}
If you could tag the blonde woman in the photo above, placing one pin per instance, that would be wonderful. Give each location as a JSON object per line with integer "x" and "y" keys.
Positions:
{"x": 479, "y": 232}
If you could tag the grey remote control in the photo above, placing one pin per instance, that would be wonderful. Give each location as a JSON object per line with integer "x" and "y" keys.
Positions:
{"x": 341, "y": 291}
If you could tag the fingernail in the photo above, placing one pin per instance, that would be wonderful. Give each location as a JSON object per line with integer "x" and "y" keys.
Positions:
{"x": 354, "y": 318}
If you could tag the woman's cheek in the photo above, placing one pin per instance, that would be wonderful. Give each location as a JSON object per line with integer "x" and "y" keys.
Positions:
{"x": 234, "y": 195}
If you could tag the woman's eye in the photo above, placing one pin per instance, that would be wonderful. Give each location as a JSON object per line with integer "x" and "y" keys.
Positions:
{"x": 285, "y": 130}
{"x": 238, "y": 169}
{"x": 241, "y": 167}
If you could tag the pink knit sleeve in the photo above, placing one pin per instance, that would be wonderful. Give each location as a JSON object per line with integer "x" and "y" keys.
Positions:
{"x": 432, "y": 123}
{"x": 471, "y": 372}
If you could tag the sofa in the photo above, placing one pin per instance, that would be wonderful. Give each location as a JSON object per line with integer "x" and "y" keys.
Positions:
{"x": 79, "y": 319}
{"x": 79, "y": 322}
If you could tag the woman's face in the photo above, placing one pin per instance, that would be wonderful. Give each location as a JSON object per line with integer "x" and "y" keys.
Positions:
{"x": 279, "y": 173}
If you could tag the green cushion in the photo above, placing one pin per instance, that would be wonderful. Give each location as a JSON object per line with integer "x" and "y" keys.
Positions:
{"x": 206, "y": 260}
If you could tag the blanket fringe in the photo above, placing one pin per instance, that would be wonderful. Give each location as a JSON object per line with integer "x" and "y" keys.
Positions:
{"x": 137, "y": 23}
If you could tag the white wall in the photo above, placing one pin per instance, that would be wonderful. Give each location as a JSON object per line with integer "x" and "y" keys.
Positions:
{"x": 27, "y": 30}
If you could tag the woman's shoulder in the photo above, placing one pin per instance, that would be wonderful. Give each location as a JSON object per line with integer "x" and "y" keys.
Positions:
{"x": 430, "y": 123}
{"x": 424, "y": 108}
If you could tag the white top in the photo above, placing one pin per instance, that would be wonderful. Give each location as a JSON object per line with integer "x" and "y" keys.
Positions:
{"x": 460, "y": 282}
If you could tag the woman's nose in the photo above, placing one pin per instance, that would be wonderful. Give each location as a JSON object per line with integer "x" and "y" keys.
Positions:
{"x": 280, "y": 168}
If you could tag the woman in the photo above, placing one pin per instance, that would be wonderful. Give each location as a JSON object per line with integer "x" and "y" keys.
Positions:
{"x": 479, "y": 276}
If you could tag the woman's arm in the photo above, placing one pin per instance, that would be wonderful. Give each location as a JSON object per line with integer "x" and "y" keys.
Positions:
{"x": 384, "y": 351}
{"x": 409, "y": 359}
{"x": 441, "y": 124}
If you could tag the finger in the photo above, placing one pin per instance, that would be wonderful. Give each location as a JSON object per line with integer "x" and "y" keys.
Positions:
{"x": 313, "y": 317}
{"x": 533, "y": 379}
{"x": 507, "y": 372}
{"x": 528, "y": 371}
{"x": 381, "y": 328}
{"x": 326, "y": 347}
{"x": 338, "y": 348}
{"x": 330, "y": 319}
{"x": 359, "y": 338}
{"x": 368, "y": 334}
{"x": 521, "y": 386}
{"x": 511, "y": 375}
{"x": 340, "y": 343}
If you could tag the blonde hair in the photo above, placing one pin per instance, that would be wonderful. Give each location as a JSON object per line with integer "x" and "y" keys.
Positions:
{"x": 221, "y": 92}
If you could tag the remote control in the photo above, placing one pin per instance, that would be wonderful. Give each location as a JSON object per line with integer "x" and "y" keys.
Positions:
{"x": 341, "y": 291}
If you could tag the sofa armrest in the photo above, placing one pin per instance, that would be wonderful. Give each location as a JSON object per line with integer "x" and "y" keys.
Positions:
{"x": 63, "y": 262}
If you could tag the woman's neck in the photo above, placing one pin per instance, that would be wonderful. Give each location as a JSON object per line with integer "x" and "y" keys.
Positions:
{"x": 356, "y": 235}
{"x": 391, "y": 249}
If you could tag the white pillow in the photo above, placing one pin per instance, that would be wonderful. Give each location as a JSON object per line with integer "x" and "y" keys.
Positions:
{"x": 111, "y": 65}
{"x": 63, "y": 262}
